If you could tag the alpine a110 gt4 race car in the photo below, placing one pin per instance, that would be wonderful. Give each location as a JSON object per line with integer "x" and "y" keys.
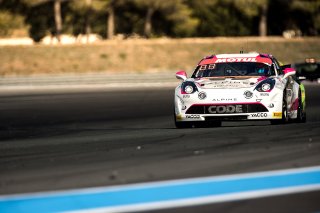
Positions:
{"x": 234, "y": 87}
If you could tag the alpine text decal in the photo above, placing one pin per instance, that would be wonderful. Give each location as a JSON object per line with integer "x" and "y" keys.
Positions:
{"x": 224, "y": 99}
{"x": 193, "y": 116}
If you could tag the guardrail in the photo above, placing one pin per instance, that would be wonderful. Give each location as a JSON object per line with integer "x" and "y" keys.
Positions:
{"x": 93, "y": 80}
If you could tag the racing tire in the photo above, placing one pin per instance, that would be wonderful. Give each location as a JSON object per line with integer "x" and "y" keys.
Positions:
{"x": 285, "y": 117}
{"x": 183, "y": 125}
{"x": 214, "y": 123}
{"x": 301, "y": 115}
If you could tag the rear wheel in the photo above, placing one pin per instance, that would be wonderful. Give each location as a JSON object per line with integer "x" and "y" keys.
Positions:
{"x": 301, "y": 114}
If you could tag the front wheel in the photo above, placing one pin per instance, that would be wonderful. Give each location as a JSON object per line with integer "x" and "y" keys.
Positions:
{"x": 285, "y": 117}
{"x": 183, "y": 124}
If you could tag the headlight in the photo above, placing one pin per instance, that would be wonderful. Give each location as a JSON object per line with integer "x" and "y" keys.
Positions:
{"x": 265, "y": 85}
{"x": 188, "y": 87}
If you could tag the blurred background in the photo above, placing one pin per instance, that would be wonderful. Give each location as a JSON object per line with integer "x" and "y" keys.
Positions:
{"x": 132, "y": 35}
{"x": 156, "y": 18}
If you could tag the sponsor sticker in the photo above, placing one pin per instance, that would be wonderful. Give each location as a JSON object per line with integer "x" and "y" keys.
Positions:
{"x": 202, "y": 95}
{"x": 277, "y": 115}
{"x": 222, "y": 109}
{"x": 224, "y": 60}
{"x": 248, "y": 94}
{"x": 264, "y": 94}
{"x": 259, "y": 115}
{"x": 193, "y": 116}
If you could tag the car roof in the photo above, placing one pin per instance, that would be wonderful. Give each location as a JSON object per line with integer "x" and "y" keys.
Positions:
{"x": 248, "y": 57}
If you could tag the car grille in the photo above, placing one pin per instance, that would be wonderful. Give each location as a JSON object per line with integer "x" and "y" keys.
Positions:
{"x": 245, "y": 108}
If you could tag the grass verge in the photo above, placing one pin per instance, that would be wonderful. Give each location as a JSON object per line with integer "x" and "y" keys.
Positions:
{"x": 153, "y": 55}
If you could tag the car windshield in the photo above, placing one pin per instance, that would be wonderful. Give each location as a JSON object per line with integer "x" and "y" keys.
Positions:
{"x": 233, "y": 69}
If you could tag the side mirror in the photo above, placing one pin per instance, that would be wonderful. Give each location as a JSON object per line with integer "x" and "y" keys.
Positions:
{"x": 182, "y": 75}
{"x": 288, "y": 72}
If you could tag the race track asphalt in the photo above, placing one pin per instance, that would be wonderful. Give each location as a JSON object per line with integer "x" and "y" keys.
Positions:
{"x": 54, "y": 140}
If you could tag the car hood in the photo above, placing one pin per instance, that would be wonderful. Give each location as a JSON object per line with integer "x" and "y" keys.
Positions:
{"x": 228, "y": 82}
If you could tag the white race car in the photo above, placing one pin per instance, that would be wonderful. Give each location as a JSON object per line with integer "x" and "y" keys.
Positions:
{"x": 234, "y": 87}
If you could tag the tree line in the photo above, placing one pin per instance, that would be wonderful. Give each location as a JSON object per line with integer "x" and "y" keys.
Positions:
{"x": 157, "y": 18}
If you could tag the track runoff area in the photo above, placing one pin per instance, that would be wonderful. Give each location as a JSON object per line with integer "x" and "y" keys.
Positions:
{"x": 168, "y": 194}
